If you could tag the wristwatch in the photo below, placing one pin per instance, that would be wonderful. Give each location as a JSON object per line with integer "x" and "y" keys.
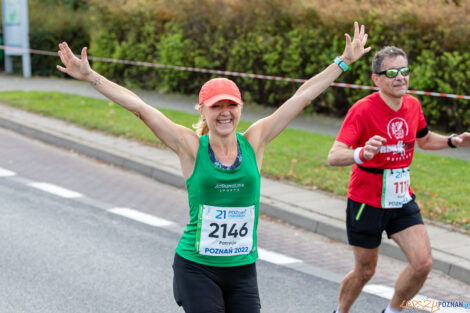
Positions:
{"x": 341, "y": 64}
{"x": 449, "y": 141}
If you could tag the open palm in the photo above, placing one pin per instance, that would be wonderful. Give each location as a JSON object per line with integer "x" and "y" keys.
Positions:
{"x": 355, "y": 49}
{"x": 75, "y": 67}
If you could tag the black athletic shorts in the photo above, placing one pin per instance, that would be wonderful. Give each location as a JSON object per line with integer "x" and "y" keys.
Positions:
{"x": 365, "y": 223}
{"x": 201, "y": 288}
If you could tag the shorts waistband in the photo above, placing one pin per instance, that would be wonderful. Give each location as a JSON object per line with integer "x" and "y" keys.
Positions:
{"x": 370, "y": 169}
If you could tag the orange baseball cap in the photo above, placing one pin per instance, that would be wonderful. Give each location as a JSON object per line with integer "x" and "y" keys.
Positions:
{"x": 218, "y": 89}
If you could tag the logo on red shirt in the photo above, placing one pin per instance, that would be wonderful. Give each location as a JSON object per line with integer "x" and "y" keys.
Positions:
{"x": 398, "y": 128}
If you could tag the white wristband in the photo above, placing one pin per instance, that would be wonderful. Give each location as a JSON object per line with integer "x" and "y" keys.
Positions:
{"x": 357, "y": 159}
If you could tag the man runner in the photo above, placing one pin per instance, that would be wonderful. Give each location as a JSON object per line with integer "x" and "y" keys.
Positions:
{"x": 382, "y": 129}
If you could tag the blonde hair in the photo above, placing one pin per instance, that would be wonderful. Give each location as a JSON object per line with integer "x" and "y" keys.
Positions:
{"x": 201, "y": 125}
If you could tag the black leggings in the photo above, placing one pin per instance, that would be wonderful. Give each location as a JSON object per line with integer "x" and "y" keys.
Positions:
{"x": 208, "y": 289}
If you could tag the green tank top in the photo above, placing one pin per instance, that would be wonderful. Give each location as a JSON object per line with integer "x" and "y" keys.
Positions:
{"x": 223, "y": 208}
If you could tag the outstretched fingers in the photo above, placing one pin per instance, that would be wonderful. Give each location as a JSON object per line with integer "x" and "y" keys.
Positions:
{"x": 62, "y": 69}
{"x": 66, "y": 56}
{"x": 84, "y": 54}
{"x": 348, "y": 39}
{"x": 359, "y": 33}
{"x": 362, "y": 32}
{"x": 68, "y": 52}
{"x": 364, "y": 41}
{"x": 62, "y": 58}
{"x": 356, "y": 29}
{"x": 361, "y": 38}
{"x": 65, "y": 53}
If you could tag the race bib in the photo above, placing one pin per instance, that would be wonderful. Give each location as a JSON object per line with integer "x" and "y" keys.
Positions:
{"x": 225, "y": 231}
{"x": 396, "y": 185}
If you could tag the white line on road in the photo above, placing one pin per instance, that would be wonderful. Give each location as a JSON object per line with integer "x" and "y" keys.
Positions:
{"x": 420, "y": 302}
{"x": 6, "y": 173}
{"x": 54, "y": 189}
{"x": 265, "y": 255}
{"x": 141, "y": 217}
{"x": 276, "y": 258}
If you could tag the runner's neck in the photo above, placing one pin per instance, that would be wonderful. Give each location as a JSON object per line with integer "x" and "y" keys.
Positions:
{"x": 225, "y": 148}
{"x": 392, "y": 102}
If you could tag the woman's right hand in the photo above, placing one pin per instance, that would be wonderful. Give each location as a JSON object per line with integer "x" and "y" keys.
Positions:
{"x": 75, "y": 67}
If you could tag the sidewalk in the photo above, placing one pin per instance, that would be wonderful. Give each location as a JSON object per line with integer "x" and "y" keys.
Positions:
{"x": 315, "y": 211}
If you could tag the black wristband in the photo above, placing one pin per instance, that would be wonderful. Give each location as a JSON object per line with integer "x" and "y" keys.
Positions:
{"x": 449, "y": 141}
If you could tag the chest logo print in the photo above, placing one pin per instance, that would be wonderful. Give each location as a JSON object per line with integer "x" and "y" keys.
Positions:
{"x": 397, "y": 128}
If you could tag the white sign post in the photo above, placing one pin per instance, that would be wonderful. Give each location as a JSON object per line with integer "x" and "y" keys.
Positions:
{"x": 16, "y": 34}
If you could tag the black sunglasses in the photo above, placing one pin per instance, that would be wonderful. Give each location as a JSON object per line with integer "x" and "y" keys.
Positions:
{"x": 393, "y": 72}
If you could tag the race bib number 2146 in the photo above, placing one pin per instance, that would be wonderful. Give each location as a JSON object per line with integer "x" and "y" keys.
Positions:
{"x": 225, "y": 231}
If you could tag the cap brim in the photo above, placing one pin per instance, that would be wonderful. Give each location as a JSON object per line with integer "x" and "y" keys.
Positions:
{"x": 210, "y": 102}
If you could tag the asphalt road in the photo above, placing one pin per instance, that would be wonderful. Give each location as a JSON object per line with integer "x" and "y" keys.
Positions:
{"x": 62, "y": 255}
{"x": 72, "y": 254}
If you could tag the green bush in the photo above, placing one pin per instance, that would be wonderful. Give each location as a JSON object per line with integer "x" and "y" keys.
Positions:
{"x": 289, "y": 38}
{"x": 45, "y": 33}
{"x": 129, "y": 30}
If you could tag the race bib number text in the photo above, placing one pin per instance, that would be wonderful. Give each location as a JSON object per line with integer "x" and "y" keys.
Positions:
{"x": 396, "y": 185}
{"x": 225, "y": 231}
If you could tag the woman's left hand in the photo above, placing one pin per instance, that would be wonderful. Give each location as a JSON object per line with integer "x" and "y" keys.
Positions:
{"x": 355, "y": 48}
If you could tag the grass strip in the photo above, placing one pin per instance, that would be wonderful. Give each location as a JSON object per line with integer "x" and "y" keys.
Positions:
{"x": 441, "y": 183}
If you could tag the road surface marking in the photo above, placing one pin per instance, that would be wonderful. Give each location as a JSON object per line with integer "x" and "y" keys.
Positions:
{"x": 275, "y": 257}
{"x": 141, "y": 217}
{"x": 54, "y": 189}
{"x": 6, "y": 173}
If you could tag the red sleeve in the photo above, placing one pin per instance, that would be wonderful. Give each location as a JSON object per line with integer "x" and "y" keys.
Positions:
{"x": 350, "y": 132}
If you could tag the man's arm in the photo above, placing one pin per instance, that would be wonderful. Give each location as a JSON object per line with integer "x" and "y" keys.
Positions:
{"x": 341, "y": 155}
{"x": 433, "y": 141}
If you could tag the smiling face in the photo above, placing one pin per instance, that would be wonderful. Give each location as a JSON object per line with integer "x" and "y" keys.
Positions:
{"x": 222, "y": 118}
{"x": 392, "y": 87}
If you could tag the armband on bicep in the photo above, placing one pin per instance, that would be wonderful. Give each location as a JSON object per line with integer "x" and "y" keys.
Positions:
{"x": 422, "y": 132}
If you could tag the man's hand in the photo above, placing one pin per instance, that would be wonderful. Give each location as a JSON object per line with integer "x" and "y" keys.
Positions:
{"x": 462, "y": 140}
{"x": 372, "y": 146}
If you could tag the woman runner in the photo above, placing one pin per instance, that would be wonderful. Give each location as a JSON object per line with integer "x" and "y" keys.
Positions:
{"x": 214, "y": 265}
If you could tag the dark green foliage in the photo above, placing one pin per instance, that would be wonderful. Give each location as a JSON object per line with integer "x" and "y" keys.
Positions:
{"x": 283, "y": 38}
{"x": 289, "y": 38}
{"x": 51, "y": 22}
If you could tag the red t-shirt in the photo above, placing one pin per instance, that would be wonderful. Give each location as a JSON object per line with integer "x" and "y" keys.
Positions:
{"x": 371, "y": 116}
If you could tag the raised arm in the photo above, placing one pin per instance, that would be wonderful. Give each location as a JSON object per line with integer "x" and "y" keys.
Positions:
{"x": 180, "y": 139}
{"x": 265, "y": 130}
